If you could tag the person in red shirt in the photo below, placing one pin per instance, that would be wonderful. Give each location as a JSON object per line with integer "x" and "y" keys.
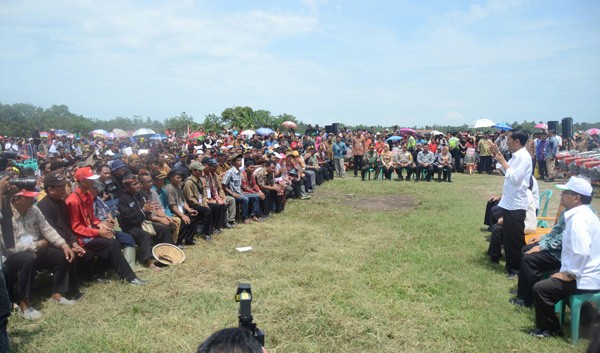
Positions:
{"x": 93, "y": 235}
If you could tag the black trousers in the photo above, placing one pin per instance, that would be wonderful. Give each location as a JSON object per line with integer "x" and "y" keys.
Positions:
{"x": 485, "y": 164}
{"x": 358, "y": 164}
{"x": 205, "y": 218}
{"x": 20, "y": 269}
{"x": 109, "y": 250}
{"x": 144, "y": 239}
{"x": 366, "y": 167}
{"x": 409, "y": 172}
{"x": 495, "y": 247}
{"x": 532, "y": 269}
{"x": 546, "y": 294}
{"x": 387, "y": 172}
{"x": 514, "y": 238}
{"x": 492, "y": 213}
{"x": 457, "y": 158}
{"x": 448, "y": 170}
{"x": 542, "y": 168}
{"x": 219, "y": 214}
{"x": 187, "y": 231}
{"x": 429, "y": 170}
{"x": 5, "y": 308}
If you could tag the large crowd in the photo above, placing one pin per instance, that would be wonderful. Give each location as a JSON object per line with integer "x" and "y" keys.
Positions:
{"x": 81, "y": 205}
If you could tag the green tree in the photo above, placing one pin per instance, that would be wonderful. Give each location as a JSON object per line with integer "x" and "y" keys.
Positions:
{"x": 180, "y": 123}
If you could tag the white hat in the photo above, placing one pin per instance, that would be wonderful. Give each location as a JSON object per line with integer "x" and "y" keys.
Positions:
{"x": 578, "y": 185}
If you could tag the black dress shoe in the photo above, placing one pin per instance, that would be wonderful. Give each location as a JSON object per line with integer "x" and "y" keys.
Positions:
{"x": 544, "y": 333}
{"x": 190, "y": 242}
{"x": 519, "y": 302}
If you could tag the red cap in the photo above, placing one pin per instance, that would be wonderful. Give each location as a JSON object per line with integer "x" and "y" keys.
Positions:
{"x": 27, "y": 193}
{"x": 85, "y": 173}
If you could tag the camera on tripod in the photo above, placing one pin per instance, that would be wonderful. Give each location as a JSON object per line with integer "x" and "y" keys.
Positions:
{"x": 244, "y": 297}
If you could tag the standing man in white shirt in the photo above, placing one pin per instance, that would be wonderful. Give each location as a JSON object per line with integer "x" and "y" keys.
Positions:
{"x": 514, "y": 201}
{"x": 580, "y": 258}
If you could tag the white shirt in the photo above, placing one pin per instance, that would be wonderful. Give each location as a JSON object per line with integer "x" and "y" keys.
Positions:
{"x": 580, "y": 253}
{"x": 535, "y": 190}
{"x": 530, "y": 217}
{"x": 516, "y": 182}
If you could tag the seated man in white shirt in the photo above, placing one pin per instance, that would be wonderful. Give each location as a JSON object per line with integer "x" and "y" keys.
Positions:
{"x": 580, "y": 258}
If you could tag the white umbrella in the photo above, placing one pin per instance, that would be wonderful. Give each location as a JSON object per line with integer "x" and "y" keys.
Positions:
{"x": 435, "y": 132}
{"x": 120, "y": 133}
{"x": 143, "y": 132}
{"x": 483, "y": 123}
{"x": 248, "y": 132}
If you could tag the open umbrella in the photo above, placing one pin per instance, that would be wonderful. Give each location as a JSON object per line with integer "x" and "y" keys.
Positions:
{"x": 593, "y": 131}
{"x": 479, "y": 123}
{"x": 99, "y": 133}
{"x": 406, "y": 130}
{"x": 43, "y": 134}
{"x": 264, "y": 131}
{"x": 248, "y": 132}
{"x": 143, "y": 132}
{"x": 196, "y": 136}
{"x": 120, "y": 133}
{"x": 61, "y": 133}
{"x": 541, "y": 126}
{"x": 157, "y": 137}
{"x": 289, "y": 125}
{"x": 502, "y": 126}
{"x": 435, "y": 132}
{"x": 394, "y": 138}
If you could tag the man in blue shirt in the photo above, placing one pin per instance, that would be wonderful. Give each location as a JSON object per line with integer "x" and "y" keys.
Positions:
{"x": 339, "y": 153}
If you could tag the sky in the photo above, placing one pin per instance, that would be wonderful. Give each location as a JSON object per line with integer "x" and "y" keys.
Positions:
{"x": 407, "y": 63}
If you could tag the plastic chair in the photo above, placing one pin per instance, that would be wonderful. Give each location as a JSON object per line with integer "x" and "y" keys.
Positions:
{"x": 575, "y": 301}
{"x": 544, "y": 201}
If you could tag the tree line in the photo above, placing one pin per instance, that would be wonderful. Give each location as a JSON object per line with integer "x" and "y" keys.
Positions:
{"x": 21, "y": 119}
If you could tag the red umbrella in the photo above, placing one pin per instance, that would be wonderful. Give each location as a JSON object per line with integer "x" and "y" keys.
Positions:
{"x": 289, "y": 125}
{"x": 541, "y": 126}
{"x": 196, "y": 135}
{"x": 406, "y": 130}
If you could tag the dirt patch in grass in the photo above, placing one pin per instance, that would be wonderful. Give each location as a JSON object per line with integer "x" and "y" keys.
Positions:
{"x": 382, "y": 203}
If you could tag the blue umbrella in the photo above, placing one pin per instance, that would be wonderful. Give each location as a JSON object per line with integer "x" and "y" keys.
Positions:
{"x": 264, "y": 131}
{"x": 394, "y": 138}
{"x": 502, "y": 126}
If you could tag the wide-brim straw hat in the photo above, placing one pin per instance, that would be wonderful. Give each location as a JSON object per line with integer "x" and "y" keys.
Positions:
{"x": 168, "y": 254}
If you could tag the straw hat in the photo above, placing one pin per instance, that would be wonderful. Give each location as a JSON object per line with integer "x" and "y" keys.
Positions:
{"x": 168, "y": 254}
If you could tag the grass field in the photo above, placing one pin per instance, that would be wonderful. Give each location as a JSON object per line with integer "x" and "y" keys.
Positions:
{"x": 361, "y": 267}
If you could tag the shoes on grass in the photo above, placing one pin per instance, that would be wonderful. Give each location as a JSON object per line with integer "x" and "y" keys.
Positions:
{"x": 62, "y": 301}
{"x": 512, "y": 276}
{"x": 30, "y": 314}
{"x": 544, "y": 333}
{"x": 519, "y": 302}
{"x": 137, "y": 282}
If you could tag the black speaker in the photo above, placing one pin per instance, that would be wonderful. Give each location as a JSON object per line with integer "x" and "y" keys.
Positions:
{"x": 336, "y": 127}
{"x": 553, "y": 125}
{"x": 567, "y": 127}
{"x": 329, "y": 129}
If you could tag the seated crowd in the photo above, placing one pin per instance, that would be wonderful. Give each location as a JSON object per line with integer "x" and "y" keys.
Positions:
{"x": 105, "y": 210}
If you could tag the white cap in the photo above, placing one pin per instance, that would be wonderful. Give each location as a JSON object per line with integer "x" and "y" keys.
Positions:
{"x": 578, "y": 185}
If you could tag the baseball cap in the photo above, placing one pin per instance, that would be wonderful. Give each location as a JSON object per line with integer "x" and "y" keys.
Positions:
{"x": 85, "y": 173}
{"x": 578, "y": 185}
{"x": 156, "y": 175}
{"x": 196, "y": 166}
{"x": 27, "y": 193}
{"x": 116, "y": 164}
{"x": 55, "y": 178}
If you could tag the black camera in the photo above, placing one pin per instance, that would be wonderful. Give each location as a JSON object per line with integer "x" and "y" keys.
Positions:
{"x": 22, "y": 183}
{"x": 244, "y": 297}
